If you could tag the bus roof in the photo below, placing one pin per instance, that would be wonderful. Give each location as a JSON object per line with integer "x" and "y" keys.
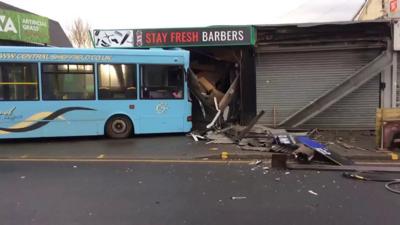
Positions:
{"x": 80, "y": 55}
{"x": 97, "y": 51}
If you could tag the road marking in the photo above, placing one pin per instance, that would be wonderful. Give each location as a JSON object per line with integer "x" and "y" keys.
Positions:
{"x": 100, "y": 156}
{"x": 18, "y": 83}
{"x": 129, "y": 160}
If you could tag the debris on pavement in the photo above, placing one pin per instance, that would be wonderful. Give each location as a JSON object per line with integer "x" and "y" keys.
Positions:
{"x": 303, "y": 154}
{"x": 256, "y": 162}
{"x": 254, "y": 168}
{"x": 305, "y": 147}
{"x": 218, "y": 138}
{"x": 312, "y": 192}
{"x": 238, "y": 197}
{"x": 324, "y": 151}
{"x": 224, "y": 155}
{"x": 196, "y": 137}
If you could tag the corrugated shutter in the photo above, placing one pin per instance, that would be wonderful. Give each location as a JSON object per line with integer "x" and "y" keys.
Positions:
{"x": 289, "y": 81}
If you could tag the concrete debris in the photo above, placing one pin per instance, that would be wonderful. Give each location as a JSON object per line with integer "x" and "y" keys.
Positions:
{"x": 218, "y": 138}
{"x": 259, "y": 149}
{"x": 345, "y": 145}
{"x": 214, "y": 81}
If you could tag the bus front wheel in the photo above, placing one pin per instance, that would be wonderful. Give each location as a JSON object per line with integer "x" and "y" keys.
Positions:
{"x": 119, "y": 127}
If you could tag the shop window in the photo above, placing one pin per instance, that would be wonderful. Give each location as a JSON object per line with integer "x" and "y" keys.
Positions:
{"x": 68, "y": 82}
{"x": 162, "y": 82}
{"x": 18, "y": 82}
{"x": 117, "y": 81}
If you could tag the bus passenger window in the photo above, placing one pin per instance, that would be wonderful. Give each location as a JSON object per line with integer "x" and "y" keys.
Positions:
{"x": 162, "y": 82}
{"x": 117, "y": 81}
{"x": 18, "y": 82}
{"x": 68, "y": 82}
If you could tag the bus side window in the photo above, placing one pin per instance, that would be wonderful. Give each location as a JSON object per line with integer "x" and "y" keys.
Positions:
{"x": 68, "y": 81}
{"x": 117, "y": 81}
{"x": 18, "y": 82}
{"x": 162, "y": 82}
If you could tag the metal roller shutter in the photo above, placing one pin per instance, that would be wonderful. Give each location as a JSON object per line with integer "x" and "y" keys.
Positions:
{"x": 288, "y": 81}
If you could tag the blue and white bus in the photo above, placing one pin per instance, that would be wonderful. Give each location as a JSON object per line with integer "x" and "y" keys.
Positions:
{"x": 54, "y": 92}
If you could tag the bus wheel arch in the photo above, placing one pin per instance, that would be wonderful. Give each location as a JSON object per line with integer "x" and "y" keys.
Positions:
{"x": 119, "y": 126}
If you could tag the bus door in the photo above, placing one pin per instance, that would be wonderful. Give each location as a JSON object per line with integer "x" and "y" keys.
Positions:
{"x": 162, "y": 105}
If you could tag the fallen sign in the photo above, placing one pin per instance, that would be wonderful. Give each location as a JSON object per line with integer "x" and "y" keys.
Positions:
{"x": 323, "y": 150}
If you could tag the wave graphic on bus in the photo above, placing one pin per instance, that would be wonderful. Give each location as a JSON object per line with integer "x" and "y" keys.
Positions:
{"x": 47, "y": 117}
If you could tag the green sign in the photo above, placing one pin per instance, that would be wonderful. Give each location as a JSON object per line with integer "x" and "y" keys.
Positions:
{"x": 23, "y": 27}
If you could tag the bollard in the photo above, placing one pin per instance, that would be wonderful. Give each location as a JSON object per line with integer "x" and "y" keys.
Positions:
{"x": 278, "y": 161}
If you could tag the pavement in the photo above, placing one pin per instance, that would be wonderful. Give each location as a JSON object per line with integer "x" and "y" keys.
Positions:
{"x": 150, "y": 147}
{"x": 126, "y": 193}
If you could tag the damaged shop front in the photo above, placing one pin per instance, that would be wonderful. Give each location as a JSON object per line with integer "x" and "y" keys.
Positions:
{"x": 284, "y": 88}
{"x": 221, "y": 67}
{"x": 313, "y": 80}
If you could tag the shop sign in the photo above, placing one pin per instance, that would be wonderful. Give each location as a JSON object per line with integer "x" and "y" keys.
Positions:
{"x": 179, "y": 37}
{"x": 23, "y": 27}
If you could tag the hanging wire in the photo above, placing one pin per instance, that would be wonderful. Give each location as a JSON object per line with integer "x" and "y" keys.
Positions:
{"x": 378, "y": 177}
{"x": 389, "y": 186}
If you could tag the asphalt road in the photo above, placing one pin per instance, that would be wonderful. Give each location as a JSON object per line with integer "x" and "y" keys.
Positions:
{"x": 171, "y": 146}
{"x": 105, "y": 193}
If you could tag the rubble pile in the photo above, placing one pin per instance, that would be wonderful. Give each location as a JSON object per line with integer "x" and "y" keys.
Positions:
{"x": 215, "y": 90}
{"x": 256, "y": 137}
